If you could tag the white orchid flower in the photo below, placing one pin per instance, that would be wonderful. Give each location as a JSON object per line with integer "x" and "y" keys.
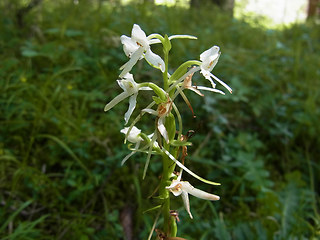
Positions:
{"x": 131, "y": 89}
{"x": 209, "y": 59}
{"x": 184, "y": 188}
{"x": 133, "y": 137}
{"x": 187, "y": 84}
{"x": 134, "y": 134}
{"x": 162, "y": 111}
{"x": 138, "y": 47}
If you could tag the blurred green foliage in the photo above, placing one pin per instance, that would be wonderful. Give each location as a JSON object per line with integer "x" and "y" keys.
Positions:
{"x": 60, "y": 154}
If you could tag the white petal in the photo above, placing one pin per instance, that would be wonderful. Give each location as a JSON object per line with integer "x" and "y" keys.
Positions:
{"x": 162, "y": 129}
{"x": 210, "y": 52}
{"x": 195, "y": 89}
{"x": 210, "y": 63}
{"x": 176, "y": 191}
{"x": 132, "y": 105}
{"x": 186, "y": 186}
{"x": 186, "y": 169}
{"x": 129, "y": 46}
{"x": 207, "y": 75}
{"x": 150, "y": 111}
{"x": 139, "y": 36}
{"x": 133, "y": 135}
{"x": 116, "y": 100}
{"x": 133, "y": 60}
{"x": 221, "y": 82}
{"x": 128, "y": 76}
{"x": 210, "y": 89}
{"x": 210, "y": 58}
{"x": 128, "y": 84}
{"x": 182, "y": 36}
{"x": 155, "y": 60}
{"x": 215, "y": 61}
{"x": 186, "y": 203}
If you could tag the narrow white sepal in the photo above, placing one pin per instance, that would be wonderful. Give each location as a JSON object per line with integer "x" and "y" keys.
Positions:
{"x": 198, "y": 193}
{"x": 186, "y": 169}
{"x": 221, "y": 82}
{"x": 183, "y": 36}
{"x": 186, "y": 203}
{"x": 162, "y": 129}
{"x": 133, "y": 60}
{"x": 210, "y": 89}
{"x": 132, "y": 106}
{"x": 116, "y": 100}
{"x": 150, "y": 111}
{"x": 154, "y": 60}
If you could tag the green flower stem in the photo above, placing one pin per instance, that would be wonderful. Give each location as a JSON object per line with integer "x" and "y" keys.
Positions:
{"x": 164, "y": 193}
{"x": 170, "y": 227}
{"x": 165, "y": 73}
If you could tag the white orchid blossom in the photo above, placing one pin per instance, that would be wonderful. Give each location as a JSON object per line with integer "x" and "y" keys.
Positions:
{"x": 209, "y": 59}
{"x": 134, "y": 134}
{"x": 131, "y": 89}
{"x": 184, "y": 188}
{"x": 187, "y": 84}
{"x": 133, "y": 137}
{"x": 138, "y": 47}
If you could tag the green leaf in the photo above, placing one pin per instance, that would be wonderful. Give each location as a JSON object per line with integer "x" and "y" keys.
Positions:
{"x": 67, "y": 149}
{"x": 13, "y": 215}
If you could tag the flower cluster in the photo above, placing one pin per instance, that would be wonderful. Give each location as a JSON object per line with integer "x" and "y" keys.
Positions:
{"x": 165, "y": 136}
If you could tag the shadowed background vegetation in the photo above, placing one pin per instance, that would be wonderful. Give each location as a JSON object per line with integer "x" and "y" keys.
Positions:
{"x": 60, "y": 154}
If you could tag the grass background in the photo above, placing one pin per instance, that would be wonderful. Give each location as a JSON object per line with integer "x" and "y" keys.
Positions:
{"x": 60, "y": 154}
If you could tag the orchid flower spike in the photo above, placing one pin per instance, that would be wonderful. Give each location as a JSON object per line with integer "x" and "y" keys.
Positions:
{"x": 131, "y": 89}
{"x": 184, "y": 188}
{"x": 138, "y": 47}
{"x": 162, "y": 112}
{"x": 209, "y": 59}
